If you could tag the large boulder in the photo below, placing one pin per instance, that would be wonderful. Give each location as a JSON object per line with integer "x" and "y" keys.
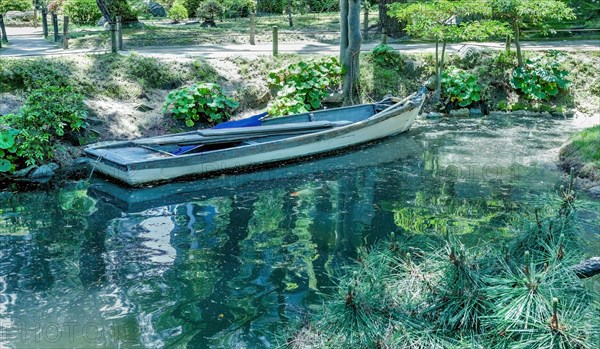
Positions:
{"x": 156, "y": 9}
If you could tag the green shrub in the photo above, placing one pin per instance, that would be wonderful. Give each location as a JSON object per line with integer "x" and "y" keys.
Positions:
{"x": 386, "y": 56}
{"x": 200, "y": 102}
{"x": 178, "y": 12}
{"x": 209, "y": 9}
{"x": 48, "y": 114}
{"x": 302, "y": 86}
{"x": 29, "y": 74}
{"x": 14, "y": 5}
{"x": 461, "y": 87}
{"x": 238, "y": 8}
{"x": 190, "y": 5}
{"x": 270, "y": 6}
{"x": 541, "y": 78}
{"x": 82, "y": 11}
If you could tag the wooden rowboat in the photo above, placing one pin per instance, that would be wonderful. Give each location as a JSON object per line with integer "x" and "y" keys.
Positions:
{"x": 163, "y": 158}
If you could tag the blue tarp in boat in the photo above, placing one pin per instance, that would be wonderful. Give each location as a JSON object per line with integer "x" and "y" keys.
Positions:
{"x": 246, "y": 122}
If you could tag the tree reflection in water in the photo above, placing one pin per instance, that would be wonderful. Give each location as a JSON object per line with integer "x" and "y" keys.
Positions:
{"x": 224, "y": 261}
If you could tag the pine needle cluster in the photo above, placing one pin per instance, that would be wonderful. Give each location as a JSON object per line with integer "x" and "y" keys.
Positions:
{"x": 444, "y": 295}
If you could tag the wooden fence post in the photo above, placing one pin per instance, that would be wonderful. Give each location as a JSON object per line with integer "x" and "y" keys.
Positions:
{"x": 55, "y": 26}
{"x": 3, "y": 29}
{"x": 45, "y": 22}
{"x": 252, "y": 28}
{"x": 275, "y": 40}
{"x": 383, "y": 36}
{"x": 113, "y": 37}
{"x": 119, "y": 33}
{"x": 366, "y": 25}
{"x": 65, "y": 32}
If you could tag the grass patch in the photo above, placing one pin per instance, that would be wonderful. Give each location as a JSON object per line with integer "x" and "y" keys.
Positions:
{"x": 323, "y": 27}
{"x": 583, "y": 153}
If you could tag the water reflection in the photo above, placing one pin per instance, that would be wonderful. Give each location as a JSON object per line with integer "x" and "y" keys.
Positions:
{"x": 221, "y": 262}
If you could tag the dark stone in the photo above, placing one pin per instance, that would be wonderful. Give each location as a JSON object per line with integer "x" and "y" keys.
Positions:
{"x": 157, "y": 10}
{"x": 431, "y": 83}
{"x": 594, "y": 191}
{"x": 101, "y": 22}
{"x": 475, "y": 112}
{"x": 209, "y": 23}
{"x": 463, "y": 112}
{"x": 411, "y": 67}
{"x": 143, "y": 108}
{"x": 24, "y": 172}
{"x": 45, "y": 172}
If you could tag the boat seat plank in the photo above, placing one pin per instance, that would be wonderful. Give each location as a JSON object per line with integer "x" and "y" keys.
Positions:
{"x": 242, "y": 133}
{"x": 268, "y": 129}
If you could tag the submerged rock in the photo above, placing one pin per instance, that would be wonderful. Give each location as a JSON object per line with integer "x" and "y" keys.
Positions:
{"x": 475, "y": 112}
{"x": 463, "y": 112}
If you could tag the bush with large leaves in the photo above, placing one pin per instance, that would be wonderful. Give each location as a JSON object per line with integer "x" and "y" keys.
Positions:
{"x": 461, "y": 87}
{"x": 200, "y": 102}
{"x": 302, "y": 86}
{"x": 541, "y": 78}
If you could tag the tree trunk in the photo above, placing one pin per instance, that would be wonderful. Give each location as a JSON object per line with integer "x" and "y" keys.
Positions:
{"x": 518, "y": 42}
{"x": 350, "y": 47}
{"x": 288, "y": 9}
{"x": 110, "y": 9}
{"x": 392, "y": 26}
{"x": 439, "y": 69}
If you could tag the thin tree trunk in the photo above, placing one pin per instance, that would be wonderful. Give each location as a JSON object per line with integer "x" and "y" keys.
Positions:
{"x": 518, "y": 43}
{"x": 350, "y": 47}
{"x": 440, "y": 70}
{"x": 288, "y": 9}
{"x": 436, "y": 96}
{"x": 393, "y": 27}
{"x": 438, "y": 91}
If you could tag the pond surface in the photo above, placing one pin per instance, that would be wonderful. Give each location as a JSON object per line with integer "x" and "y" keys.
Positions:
{"x": 224, "y": 261}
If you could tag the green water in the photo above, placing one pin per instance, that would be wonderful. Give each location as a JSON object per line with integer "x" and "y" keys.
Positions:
{"x": 223, "y": 262}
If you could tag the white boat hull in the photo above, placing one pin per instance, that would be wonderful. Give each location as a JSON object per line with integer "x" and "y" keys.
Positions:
{"x": 394, "y": 125}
